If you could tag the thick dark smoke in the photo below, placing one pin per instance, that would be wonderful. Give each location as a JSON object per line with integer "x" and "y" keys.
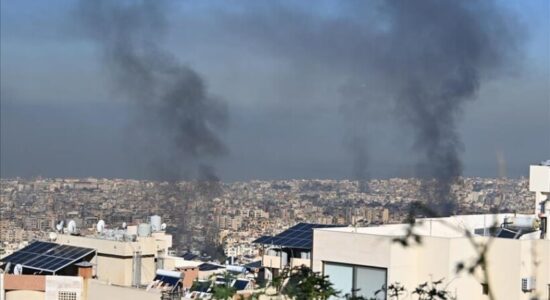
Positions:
{"x": 425, "y": 58}
{"x": 435, "y": 54}
{"x": 176, "y": 117}
{"x": 355, "y": 140}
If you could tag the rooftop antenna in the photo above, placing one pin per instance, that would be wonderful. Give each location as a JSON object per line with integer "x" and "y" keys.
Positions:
{"x": 100, "y": 226}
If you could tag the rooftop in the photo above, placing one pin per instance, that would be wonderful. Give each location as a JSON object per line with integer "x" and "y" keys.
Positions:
{"x": 47, "y": 257}
{"x": 450, "y": 227}
{"x": 298, "y": 236}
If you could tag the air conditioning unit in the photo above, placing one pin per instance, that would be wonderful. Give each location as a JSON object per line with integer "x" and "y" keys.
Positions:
{"x": 528, "y": 284}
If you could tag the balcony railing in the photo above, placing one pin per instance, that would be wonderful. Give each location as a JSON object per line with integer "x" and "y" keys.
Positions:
{"x": 296, "y": 262}
{"x": 273, "y": 261}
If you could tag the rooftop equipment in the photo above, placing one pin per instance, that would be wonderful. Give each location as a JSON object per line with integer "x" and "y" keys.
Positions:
{"x": 100, "y": 226}
{"x": 71, "y": 227}
{"x": 155, "y": 223}
{"x": 144, "y": 229}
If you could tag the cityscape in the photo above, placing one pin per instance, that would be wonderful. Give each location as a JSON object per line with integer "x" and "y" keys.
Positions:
{"x": 274, "y": 150}
{"x": 239, "y": 211}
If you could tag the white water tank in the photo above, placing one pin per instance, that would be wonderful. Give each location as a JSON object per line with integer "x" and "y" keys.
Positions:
{"x": 234, "y": 268}
{"x": 144, "y": 229}
{"x": 156, "y": 223}
{"x": 522, "y": 222}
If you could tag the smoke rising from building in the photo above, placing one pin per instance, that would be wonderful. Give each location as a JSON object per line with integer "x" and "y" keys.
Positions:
{"x": 175, "y": 116}
{"x": 422, "y": 59}
{"x": 425, "y": 59}
{"x": 436, "y": 54}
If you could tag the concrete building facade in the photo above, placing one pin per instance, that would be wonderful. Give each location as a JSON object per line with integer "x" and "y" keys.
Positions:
{"x": 365, "y": 260}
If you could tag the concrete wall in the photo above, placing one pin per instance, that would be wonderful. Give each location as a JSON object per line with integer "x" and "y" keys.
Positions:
{"x": 56, "y": 284}
{"x": 40, "y": 286}
{"x": 118, "y": 270}
{"x": 101, "y": 291}
{"x": 113, "y": 263}
{"x": 189, "y": 276}
{"x": 25, "y": 295}
{"x": 24, "y": 282}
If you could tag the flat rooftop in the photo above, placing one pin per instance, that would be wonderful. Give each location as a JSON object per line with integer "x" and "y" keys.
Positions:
{"x": 448, "y": 227}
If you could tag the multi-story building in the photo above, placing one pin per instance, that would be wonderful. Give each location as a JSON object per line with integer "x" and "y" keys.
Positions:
{"x": 506, "y": 256}
{"x": 288, "y": 249}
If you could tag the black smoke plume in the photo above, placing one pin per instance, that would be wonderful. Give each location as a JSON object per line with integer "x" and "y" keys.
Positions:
{"x": 435, "y": 54}
{"x": 426, "y": 58}
{"x": 176, "y": 117}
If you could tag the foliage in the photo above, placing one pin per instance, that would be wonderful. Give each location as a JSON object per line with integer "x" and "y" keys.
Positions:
{"x": 224, "y": 290}
{"x": 301, "y": 283}
{"x": 432, "y": 291}
{"x": 395, "y": 290}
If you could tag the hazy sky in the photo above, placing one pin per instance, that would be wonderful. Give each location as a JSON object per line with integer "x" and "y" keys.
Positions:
{"x": 282, "y": 82}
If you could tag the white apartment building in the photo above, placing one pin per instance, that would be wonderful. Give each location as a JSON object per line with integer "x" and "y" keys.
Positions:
{"x": 126, "y": 257}
{"x": 363, "y": 260}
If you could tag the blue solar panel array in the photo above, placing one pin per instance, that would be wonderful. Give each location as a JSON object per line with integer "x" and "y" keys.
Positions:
{"x": 209, "y": 267}
{"x": 240, "y": 284}
{"x": 297, "y": 236}
{"x": 508, "y": 234}
{"x": 45, "y": 256}
{"x": 173, "y": 281}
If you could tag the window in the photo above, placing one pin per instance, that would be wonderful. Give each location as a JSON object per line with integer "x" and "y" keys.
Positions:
{"x": 357, "y": 280}
{"x": 485, "y": 288}
{"x": 65, "y": 295}
{"x": 341, "y": 277}
{"x": 369, "y": 281}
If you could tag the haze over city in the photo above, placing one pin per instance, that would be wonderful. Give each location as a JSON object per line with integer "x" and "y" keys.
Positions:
{"x": 275, "y": 150}
{"x": 298, "y": 93}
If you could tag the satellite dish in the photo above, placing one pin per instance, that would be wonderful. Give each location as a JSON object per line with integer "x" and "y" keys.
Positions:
{"x": 18, "y": 270}
{"x": 53, "y": 236}
{"x": 100, "y": 226}
{"x": 71, "y": 227}
{"x": 59, "y": 226}
{"x": 123, "y": 225}
{"x": 163, "y": 226}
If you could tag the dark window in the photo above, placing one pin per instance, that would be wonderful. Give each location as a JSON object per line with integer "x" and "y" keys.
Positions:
{"x": 485, "y": 288}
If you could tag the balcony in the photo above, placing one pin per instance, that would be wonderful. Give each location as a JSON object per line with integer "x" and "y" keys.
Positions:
{"x": 296, "y": 262}
{"x": 273, "y": 261}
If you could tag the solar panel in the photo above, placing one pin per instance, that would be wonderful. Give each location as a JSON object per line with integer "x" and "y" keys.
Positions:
{"x": 208, "y": 267}
{"x": 240, "y": 285}
{"x": 505, "y": 233}
{"x": 263, "y": 240}
{"x": 297, "y": 236}
{"x": 46, "y": 256}
{"x": 173, "y": 281}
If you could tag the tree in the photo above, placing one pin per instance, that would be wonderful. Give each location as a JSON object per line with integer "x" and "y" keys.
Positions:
{"x": 301, "y": 283}
{"x": 432, "y": 291}
{"x": 223, "y": 291}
